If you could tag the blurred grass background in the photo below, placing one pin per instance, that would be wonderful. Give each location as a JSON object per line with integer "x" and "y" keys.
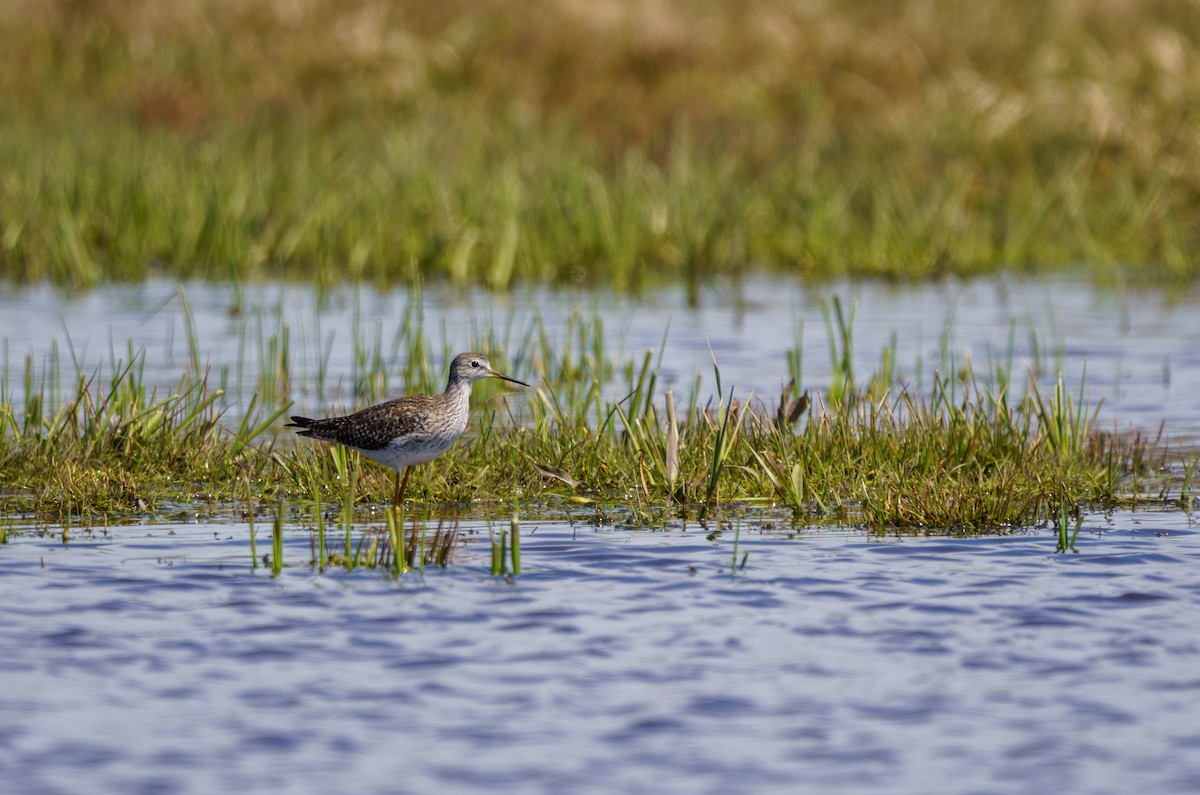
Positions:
{"x": 597, "y": 142}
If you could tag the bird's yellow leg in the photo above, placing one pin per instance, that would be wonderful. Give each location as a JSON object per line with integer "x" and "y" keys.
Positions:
{"x": 401, "y": 487}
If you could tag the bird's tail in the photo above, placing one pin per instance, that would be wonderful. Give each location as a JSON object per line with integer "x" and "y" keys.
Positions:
{"x": 301, "y": 422}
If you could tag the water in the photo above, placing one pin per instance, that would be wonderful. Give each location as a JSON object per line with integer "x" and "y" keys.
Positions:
{"x": 1140, "y": 352}
{"x": 154, "y": 660}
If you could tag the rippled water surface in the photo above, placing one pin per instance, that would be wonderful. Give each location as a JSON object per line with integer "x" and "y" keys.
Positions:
{"x": 154, "y": 660}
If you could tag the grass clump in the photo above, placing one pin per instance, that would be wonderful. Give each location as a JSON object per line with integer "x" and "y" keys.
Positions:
{"x": 896, "y": 460}
{"x": 115, "y": 447}
{"x": 620, "y": 143}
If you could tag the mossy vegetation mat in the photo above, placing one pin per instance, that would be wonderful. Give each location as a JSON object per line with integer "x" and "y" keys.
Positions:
{"x": 615, "y": 143}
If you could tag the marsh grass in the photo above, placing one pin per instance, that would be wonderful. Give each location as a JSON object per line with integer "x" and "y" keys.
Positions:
{"x": 1063, "y": 524}
{"x": 379, "y": 541}
{"x": 626, "y": 144}
{"x": 96, "y": 452}
{"x": 1188, "y": 479}
{"x": 249, "y": 515}
{"x": 515, "y": 544}
{"x": 499, "y": 544}
{"x": 392, "y": 548}
{"x": 276, "y": 560}
{"x": 968, "y": 451}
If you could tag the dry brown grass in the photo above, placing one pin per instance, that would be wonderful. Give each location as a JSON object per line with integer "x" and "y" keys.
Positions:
{"x": 1115, "y": 73}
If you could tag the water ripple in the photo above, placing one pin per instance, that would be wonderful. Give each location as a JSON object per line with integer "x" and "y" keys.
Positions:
{"x": 832, "y": 662}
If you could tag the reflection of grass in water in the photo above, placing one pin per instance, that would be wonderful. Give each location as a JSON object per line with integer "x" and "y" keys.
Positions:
{"x": 610, "y": 145}
{"x": 967, "y": 452}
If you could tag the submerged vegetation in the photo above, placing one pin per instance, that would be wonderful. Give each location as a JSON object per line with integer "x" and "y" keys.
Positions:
{"x": 616, "y": 143}
{"x": 969, "y": 451}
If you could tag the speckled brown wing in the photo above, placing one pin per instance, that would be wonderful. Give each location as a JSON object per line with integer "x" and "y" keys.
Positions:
{"x": 372, "y": 428}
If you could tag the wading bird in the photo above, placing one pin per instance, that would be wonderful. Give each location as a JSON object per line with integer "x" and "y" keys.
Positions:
{"x": 409, "y": 430}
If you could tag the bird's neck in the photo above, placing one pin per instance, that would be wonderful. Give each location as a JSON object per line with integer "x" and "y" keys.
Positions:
{"x": 458, "y": 391}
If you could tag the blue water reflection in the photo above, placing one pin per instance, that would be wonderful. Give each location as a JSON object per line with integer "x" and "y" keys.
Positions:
{"x": 156, "y": 660}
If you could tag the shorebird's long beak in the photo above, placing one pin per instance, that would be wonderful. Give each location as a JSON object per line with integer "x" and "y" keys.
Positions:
{"x": 503, "y": 377}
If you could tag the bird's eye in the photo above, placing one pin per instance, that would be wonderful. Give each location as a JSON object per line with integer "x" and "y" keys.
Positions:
{"x": 474, "y": 362}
